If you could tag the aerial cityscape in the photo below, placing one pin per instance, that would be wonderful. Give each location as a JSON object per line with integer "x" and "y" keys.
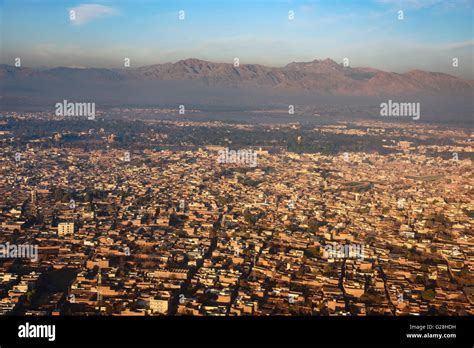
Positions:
{"x": 246, "y": 158}
{"x": 159, "y": 217}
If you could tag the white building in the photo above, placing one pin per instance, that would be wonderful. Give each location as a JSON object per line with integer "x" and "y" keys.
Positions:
{"x": 159, "y": 306}
{"x": 65, "y": 228}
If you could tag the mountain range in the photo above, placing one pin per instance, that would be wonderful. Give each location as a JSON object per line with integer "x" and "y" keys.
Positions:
{"x": 322, "y": 77}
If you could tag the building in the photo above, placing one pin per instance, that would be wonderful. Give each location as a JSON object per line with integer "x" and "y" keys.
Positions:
{"x": 159, "y": 306}
{"x": 65, "y": 228}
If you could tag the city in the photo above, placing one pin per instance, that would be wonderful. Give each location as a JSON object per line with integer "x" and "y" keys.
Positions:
{"x": 136, "y": 218}
{"x": 251, "y": 172}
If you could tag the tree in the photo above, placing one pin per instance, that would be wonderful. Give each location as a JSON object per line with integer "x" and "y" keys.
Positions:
{"x": 428, "y": 295}
{"x": 313, "y": 225}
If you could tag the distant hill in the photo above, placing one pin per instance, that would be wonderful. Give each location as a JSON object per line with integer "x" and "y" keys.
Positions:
{"x": 319, "y": 76}
{"x": 320, "y": 87}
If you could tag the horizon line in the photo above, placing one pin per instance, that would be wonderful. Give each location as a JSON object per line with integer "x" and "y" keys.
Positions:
{"x": 230, "y": 63}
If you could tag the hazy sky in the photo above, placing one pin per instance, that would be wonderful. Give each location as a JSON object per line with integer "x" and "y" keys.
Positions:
{"x": 367, "y": 32}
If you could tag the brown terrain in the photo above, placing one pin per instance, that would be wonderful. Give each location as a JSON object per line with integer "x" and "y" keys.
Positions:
{"x": 319, "y": 76}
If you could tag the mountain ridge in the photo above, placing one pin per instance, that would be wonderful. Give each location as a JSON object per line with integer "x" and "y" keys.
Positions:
{"x": 319, "y": 76}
